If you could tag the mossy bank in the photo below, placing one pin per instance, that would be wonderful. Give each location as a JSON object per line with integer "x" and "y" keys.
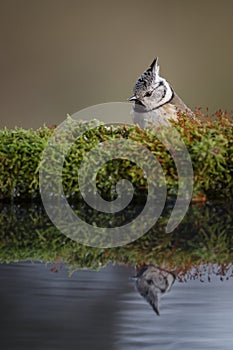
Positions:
{"x": 209, "y": 143}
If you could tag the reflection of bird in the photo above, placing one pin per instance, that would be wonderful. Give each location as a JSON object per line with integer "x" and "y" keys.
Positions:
{"x": 152, "y": 283}
{"x": 155, "y": 99}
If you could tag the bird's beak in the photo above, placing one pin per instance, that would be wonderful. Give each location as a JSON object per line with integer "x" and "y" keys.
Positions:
{"x": 132, "y": 98}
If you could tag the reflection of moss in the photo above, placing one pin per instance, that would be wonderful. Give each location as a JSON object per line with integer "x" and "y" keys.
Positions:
{"x": 204, "y": 237}
{"x": 210, "y": 145}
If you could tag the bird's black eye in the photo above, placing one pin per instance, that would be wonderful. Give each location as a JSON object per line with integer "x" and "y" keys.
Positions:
{"x": 148, "y": 94}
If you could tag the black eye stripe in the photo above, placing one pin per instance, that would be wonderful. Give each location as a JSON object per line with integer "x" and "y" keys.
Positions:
{"x": 148, "y": 94}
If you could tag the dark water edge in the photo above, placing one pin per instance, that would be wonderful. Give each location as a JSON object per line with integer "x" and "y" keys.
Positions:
{"x": 44, "y": 310}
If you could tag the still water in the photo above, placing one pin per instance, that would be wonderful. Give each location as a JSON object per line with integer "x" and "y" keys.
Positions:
{"x": 44, "y": 308}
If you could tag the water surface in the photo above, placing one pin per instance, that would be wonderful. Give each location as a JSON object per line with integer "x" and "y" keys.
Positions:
{"x": 42, "y": 309}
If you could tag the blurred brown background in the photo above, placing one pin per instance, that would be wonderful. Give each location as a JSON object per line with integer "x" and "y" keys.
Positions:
{"x": 59, "y": 56}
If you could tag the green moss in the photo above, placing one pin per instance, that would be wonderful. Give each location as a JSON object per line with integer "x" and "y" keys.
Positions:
{"x": 20, "y": 153}
{"x": 209, "y": 143}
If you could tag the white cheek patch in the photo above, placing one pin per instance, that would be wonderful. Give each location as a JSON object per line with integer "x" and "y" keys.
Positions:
{"x": 162, "y": 94}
